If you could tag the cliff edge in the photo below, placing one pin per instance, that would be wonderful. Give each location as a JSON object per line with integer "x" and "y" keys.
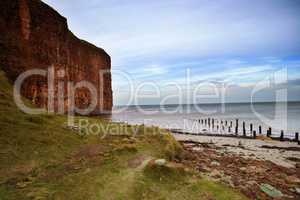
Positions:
{"x": 35, "y": 36}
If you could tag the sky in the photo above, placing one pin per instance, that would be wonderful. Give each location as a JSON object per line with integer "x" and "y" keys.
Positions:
{"x": 193, "y": 51}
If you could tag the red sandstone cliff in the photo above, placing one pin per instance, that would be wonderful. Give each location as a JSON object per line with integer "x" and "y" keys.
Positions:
{"x": 33, "y": 35}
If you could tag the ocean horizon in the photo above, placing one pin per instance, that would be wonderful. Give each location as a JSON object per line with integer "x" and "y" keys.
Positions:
{"x": 173, "y": 104}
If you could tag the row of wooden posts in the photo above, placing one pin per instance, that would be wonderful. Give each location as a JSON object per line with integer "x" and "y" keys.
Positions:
{"x": 210, "y": 122}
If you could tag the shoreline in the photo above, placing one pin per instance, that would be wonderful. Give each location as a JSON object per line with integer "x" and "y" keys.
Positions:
{"x": 257, "y": 168}
{"x": 280, "y": 153}
{"x": 231, "y": 135}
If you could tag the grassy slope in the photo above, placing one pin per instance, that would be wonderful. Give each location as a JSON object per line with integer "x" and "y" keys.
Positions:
{"x": 42, "y": 159}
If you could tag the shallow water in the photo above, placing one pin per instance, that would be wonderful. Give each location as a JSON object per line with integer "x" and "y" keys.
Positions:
{"x": 279, "y": 116}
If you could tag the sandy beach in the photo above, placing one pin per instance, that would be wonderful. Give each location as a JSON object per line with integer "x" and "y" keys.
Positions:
{"x": 258, "y": 168}
{"x": 285, "y": 154}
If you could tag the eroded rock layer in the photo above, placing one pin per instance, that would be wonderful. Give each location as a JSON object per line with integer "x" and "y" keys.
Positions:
{"x": 35, "y": 36}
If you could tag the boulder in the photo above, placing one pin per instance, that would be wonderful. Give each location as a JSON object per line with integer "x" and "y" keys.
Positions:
{"x": 160, "y": 162}
{"x": 271, "y": 191}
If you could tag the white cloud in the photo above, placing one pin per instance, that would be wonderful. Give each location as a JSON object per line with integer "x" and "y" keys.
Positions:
{"x": 131, "y": 30}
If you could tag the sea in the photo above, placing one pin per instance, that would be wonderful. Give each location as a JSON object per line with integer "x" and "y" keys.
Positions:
{"x": 279, "y": 116}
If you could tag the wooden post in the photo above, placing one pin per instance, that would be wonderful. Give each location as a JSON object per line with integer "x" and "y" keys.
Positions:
{"x": 282, "y": 135}
{"x": 296, "y": 136}
{"x": 205, "y": 122}
{"x": 259, "y": 130}
{"x": 237, "y": 126}
{"x": 244, "y": 128}
{"x": 269, "y": 132}
{"x": 251, "y": 128}
{"x": 209, "y": 122}
{"x": 213, "y": 123}
{"x": 254, "y": 134}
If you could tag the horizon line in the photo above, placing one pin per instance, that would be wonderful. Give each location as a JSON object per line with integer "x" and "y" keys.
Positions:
{"x": 296, "y": 101}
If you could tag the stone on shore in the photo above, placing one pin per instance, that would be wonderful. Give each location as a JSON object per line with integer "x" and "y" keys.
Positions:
{"x": 160, "y": 162}
{"x": 271, "y": 191}
{"x": 215, "y": 163}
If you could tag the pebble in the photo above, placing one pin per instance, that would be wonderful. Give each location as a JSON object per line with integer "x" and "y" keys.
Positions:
{"x": 204, "y": 169}
{"x": 293, "y": 180}
{"x": 160, "y": 162}
{"x": 215, "y": 174}
{"x": 215, "y": 163}
{"x": 251, "y": 183}
{"x": 243, "y": 169}
{"x": 21, "y": 185}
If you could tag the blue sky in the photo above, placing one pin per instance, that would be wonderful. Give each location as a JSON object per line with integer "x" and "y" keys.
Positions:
{"x": 236, "y": 42}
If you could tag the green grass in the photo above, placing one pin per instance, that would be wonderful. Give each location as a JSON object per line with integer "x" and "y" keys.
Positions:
{"x": 40, "y": 158}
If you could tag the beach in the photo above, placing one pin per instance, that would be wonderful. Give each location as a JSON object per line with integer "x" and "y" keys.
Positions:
{"x": 261, "y": 169}
{"x": 286, "y": 154}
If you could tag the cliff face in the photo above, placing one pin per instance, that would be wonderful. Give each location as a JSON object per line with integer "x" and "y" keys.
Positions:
{"x": 34, "y": 36}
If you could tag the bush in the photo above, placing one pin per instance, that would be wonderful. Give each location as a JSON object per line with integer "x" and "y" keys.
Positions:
{"x": 172, "y": 149}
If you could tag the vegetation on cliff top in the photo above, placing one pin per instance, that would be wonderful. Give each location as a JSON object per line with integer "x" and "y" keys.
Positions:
{"x": 41, "y": 158}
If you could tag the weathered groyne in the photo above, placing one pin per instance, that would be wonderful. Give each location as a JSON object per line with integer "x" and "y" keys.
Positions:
{"x": 231, "y": 128}
{"x": 35, "y": 36}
